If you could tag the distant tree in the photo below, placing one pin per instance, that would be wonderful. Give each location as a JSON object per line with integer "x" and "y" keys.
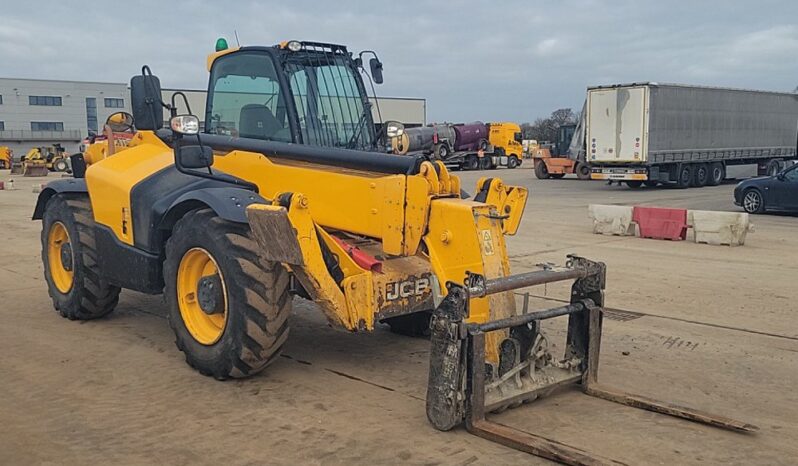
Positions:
{"x": 545, "y": 129}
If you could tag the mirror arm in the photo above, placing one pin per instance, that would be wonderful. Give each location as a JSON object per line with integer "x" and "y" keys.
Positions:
{"x": 210, "y": 176}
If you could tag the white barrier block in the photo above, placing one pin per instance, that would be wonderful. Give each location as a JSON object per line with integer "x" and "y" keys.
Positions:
{"x": 719, "y": 228}
{"x": 611, "y": 219}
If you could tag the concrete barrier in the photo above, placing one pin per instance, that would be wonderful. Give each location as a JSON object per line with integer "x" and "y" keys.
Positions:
{"x": 611, "y": 219}
{"x": 719, "y": 228}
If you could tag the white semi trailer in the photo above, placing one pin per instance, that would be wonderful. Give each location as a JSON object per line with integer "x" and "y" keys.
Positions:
{"x": 648, "y": 133}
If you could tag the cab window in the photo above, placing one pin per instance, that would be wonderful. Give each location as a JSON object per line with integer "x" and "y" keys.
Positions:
{"x": 244, "y": 99}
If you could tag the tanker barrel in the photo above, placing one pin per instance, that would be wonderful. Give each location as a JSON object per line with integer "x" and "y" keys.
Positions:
{"x": 469, "y": 135}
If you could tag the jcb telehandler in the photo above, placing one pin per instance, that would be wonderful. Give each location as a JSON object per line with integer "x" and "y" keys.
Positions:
{"x": 287, "y": 191}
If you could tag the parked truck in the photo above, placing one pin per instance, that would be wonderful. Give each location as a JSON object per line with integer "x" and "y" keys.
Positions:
{"x": 649, "y": 133}
{"x": 468, "y": 146}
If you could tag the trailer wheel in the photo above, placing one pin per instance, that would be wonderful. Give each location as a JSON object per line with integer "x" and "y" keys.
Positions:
{"x": 582, "y": 171}
{"x": 228, "y": 307}
{"x": 74, "y": 280}
{"x": 485, "y": 163}
{"x": 634, "y": 184}
{"x": 700, "y": 175}
{"x": 541, "y": 171}
{"x": 717, "y": 172}
{"x": 773, "y": 167}
{"x": 513, "y": 162}
{"x": 441, "y": 152}
{"x": 685, "y": 176}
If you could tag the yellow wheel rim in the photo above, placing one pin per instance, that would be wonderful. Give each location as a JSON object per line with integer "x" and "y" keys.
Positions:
{"x": 60, "y": 257}
{"x": 196, "y": 264}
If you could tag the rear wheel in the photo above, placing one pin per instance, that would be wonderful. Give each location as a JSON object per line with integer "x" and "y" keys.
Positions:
{"x": 773, "y": 167}
{"x": 228, "y": 307}
{"x": 471, "y": 162}
{"x": 541, "y": 171}
{"x": 73, "y": 276}
{"x": 717, "y": 172}
{"x": 700, "y": 175}
{"x": 685, "y": 176}
{"x": 634, "y": 184}
{"x": 753, "y": 203}
{"x": 60, "y": 165}
{"x": 582, "y": 171}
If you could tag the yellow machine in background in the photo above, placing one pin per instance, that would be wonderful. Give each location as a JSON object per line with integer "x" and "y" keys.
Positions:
{"x": 6, "y": 157}
{"x": 507, "y": 136}
{"x": 41, "y": 160}
{"x": 282, "y": 196}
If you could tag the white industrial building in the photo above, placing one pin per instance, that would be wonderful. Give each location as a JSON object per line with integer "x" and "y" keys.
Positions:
{"x": 38, "y": 112}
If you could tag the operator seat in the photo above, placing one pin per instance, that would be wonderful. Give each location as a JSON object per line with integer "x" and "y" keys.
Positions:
{"x": 257, "y": 121}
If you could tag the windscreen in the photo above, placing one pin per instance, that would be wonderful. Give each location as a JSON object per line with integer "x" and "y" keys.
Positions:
{"x": 244, "y": 99}
{"x": 330, "y": 101}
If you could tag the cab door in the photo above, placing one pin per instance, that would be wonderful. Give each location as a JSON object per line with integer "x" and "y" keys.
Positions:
{"x": 786, "y": 189}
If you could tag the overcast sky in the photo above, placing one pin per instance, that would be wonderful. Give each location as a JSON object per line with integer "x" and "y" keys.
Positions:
{"x": 475, "y": 60}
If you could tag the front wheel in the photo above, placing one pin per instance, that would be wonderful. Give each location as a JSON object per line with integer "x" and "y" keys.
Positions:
{"x": 634, "y": 184}
{"x": 60, "y": 165}
{"x": 513, "y": 162}
{"x": 753, "y": 203}
{"x": 541, "y": 170}
{"x": 228, "y": 307}
{"x": 71, "y": 270}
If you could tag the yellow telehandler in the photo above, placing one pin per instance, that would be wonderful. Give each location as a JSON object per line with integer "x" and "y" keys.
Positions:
{"x": 287, "y": 190}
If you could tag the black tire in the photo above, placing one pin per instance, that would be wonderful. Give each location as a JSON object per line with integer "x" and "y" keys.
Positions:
{"x": 471, "y": 162}
{"x": 651, "y": 183}
{"x": 557, "y": 176}
{"x": 258, "y": 300}
{"x": 60, "y": 165}
{"x": 717, "y": 172}
{"x": 753, "y": 202}
{"x": 685, "y": 176}
{"x": 700, "y": 175}
{"x": 482, "y": 145}
{"x": 90, "y": 296}
{"x": 513, "y": 162}
{"x": 634, "y": 184}
{"x": 541, "y": 171}
{"x": 773, "y": 168}
{"x": 441, "y": 152}
{"x": 485, "y": 163}
{"x": 416, "y": 324}
{"x": 582, "y": 171}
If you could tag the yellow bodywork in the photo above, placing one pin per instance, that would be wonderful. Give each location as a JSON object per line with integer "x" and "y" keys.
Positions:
{"x": 503, "y": 135}
{"x": 5, "y": 157}
{"x": 423, "y": 233}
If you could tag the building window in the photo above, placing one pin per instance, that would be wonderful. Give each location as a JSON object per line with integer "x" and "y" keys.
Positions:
{"x": 114, "y": 103}
{"x": 91, "y": 114}
{"x": 46, "y": 100}
{"x": 2, "y": 125}
{"x": 46, "y": 126}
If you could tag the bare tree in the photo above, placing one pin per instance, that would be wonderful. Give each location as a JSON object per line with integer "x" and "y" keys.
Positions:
{"x": 545, "y": 129}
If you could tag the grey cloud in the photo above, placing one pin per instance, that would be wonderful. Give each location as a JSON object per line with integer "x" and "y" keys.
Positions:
{"x": 513, "y": 60}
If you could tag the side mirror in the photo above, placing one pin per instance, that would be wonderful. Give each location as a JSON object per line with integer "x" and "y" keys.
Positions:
{"x": 781, "y": 176}
{"x": 376, "y": 69}
{"x": 120, "y": 122}
{"x": 145, "y": 101}
{"x": 194, "y": 156}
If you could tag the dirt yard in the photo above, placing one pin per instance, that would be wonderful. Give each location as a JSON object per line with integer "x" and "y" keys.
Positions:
{"x": 710, "y": 327}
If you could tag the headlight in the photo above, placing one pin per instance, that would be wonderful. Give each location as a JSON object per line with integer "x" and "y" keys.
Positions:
{"x": 185, "y": 124}
{"x": 394, "y": 129}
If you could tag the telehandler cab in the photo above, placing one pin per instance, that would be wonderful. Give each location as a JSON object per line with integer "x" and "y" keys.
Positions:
{"x": 285, "y": 191}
